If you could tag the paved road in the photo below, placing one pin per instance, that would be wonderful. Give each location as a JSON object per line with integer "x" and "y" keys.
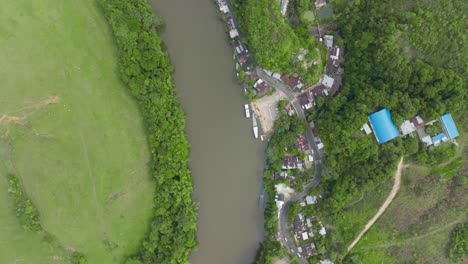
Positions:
{"x": 285, "y": 236}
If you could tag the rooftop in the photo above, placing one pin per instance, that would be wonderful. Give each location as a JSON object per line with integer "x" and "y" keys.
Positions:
{"x": 382, "y": 123}
{"x": 449, "y": 126}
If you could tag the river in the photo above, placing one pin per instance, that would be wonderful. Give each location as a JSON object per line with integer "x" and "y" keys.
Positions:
{"x": 225, "y": 159}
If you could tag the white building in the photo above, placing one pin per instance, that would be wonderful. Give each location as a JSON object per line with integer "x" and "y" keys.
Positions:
{"x": 328, "y": 81}
{"x": 407, "y": 127}
{"x": 284, "y": 7}
{"x": 328, "y": 40}
{"x": 366, "y": 129}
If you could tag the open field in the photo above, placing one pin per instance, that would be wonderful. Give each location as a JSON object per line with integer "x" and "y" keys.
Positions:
{"x": 77, "y": 141}
{"x": 416, "y": 226}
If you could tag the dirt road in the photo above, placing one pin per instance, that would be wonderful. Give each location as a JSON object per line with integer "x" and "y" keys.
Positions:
{"x": 391, "y": 196}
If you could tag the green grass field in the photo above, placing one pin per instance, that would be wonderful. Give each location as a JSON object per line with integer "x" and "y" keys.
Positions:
{"x": 416, "y": 226}
{"x": 82, "y": 154}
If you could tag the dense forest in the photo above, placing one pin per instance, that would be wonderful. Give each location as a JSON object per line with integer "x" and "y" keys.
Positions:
{"x": 146, "y": 69}
{"x": 380, "y": 74}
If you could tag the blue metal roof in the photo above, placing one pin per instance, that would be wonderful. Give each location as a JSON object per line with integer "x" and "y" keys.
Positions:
{"x": 449, "y": 126}
{"x": 438, "y": 137}
{"x": 384, "y": 128}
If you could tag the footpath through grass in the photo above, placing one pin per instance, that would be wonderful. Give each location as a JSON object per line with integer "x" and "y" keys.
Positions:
{"x": 82, "y": 158}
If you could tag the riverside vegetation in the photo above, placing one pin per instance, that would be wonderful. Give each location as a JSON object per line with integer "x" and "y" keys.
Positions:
{"x": 146, "y": 69}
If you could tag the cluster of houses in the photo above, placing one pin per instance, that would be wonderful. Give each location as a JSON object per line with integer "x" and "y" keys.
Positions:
{"x": 304, "y": 230}
{"x": 243, "y": 58}
{"x": 385, "y": 130}
{"x": 330, "y": 81}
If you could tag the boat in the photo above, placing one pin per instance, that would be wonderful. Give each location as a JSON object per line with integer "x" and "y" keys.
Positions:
{"x": 247, "y": 110}
{"x": 255, "y": 127}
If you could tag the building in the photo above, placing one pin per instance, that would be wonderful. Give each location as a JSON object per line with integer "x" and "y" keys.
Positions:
{"x": 261, "y": 86}
{"x": 334, "y": 53}
{"x": 328, "y": 81}
{"x": 328, "y": 41}
{"x": 439, "y": 139}
{"x": 311, "y": 199}
{"x": 301, "y": 144}
{"x": 284, "y": 6}
{"x": 320, "y": 3}
{"x": 450, "y": 129}
{"x": 223, "y": 7}
{"x": 233, "y": 33}
{"x": 292, "y": 82}
{"x": 307, "y": 250}
{"x": 366, "y": 129}
{"x": 306, "y": 100}
{"x": 383, "y": 126}
{"x": 290, "y": 163}
{"x": 407, "y": 127}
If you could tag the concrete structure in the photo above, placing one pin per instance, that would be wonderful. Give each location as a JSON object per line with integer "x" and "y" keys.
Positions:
{"x": 383, "y": 126}
{"x": 366, "y": 129}
{"x": 328, "y": 41}
{"x": 223, "y": 6}
{"x": 407, "y": 127}
{"x": 284, "y": 6}
{"x": 327, "y": 81}
{"x": 450, "y": 129}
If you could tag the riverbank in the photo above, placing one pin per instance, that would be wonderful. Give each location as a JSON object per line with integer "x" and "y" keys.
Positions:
{"x": 225, "y": 159}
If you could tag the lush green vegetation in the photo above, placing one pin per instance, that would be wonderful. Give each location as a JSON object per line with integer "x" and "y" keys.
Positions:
{"x": 271, "y": 40}
{"x": 25, "y": 209}
{"x": 458, "y": 245}
{"x": 275, "y": 43}
{"x": 378, "y": 75}
{"x": 146, "y": 69}
{"x": 78, "y": 147}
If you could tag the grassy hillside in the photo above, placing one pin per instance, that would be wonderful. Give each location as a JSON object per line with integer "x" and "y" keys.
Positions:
{"x": 77, "y": 141}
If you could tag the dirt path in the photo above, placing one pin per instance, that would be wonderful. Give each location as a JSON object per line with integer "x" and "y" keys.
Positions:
{"x": 383, "y": 207}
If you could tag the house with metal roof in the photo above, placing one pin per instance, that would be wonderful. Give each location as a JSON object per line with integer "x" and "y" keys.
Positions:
{"x": 383, "y": 126}
{"x": 450, "y": 129}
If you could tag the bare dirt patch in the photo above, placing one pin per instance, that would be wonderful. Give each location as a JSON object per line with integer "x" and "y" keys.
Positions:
{"x": 281, "y": 261}
{"x": 27, "y": 110}
{"x": 266, "y": 110}
{"x": 284, "y": 189}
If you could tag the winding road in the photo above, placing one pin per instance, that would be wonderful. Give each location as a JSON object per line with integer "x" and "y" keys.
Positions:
{"x": 285, "y": 236}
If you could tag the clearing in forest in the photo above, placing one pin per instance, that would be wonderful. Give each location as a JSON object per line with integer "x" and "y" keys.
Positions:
{"x": 71, "y": 133}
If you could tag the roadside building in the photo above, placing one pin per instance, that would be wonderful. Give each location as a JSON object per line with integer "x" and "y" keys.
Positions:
{"x": 301, "y": 144}
{"x": 327, "y": 81}
{"x": 307, "y": 250}
{"x": 289, "y": 109}
{"x": 261, "y": 87}
{"x": 320, "y": 3}
{"x": 383, "y": 126}
{"x": 334, "y": 53}
{"x": 328, "y": 41}
{"x": 311, "y": 199}
{"x": 292, "y": 82}
{"x": 223, "y": 7}
{"x": 450, "y": 129}
{"x": 291, "y": 163}
{"x": 306, "y": 100}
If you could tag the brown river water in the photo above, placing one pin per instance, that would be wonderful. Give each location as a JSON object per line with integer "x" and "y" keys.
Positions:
{"x": 226, "y": 161}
